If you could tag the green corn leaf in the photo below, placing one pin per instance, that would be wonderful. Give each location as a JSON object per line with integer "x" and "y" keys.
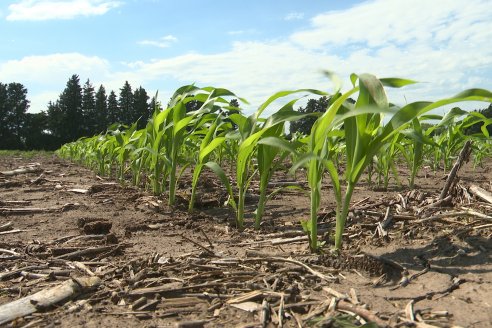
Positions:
{"x": 284, "y": 94}
{"x": 332, "y": 171}
{"x": 396, "y": 82}
{"x": 335, "y": 79}
{"x": 450, "y": 116}
{"x": 278, "y": 143}
{"x": 181, "y": 124}
{"x": 371, "y": 92}
{"x": 225, "y": 181}
{"x": 210, "y": 147}
{"x": 353, "y": 79}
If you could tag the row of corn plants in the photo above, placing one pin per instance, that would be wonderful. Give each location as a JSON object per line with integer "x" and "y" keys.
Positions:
{"x": 370, "y": 135}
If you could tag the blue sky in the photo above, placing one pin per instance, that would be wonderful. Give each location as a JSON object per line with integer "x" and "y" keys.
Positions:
{"x": 254, "y": 47}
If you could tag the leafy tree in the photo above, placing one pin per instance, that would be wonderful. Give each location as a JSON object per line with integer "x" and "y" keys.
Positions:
{"x": 13, "y": 109}
{"x": 487, "y": 112}
{"x": 125, "y": 103}
{"x": 234, "y": 103}
{"x": 305, "y": 124}
{"x": 4, "y": 124}
{"x": 193, "y": 105}
{"x": 36, "y": 133}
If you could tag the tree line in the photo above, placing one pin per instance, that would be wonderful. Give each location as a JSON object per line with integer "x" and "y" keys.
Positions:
{"x": 79, "y": 111}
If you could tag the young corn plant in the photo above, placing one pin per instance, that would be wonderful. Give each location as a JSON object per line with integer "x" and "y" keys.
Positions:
{"x": 185, "y": 124}
{"x": 214, "y": 138}
{"x": 254, "y": 132}
{"x": 125, "y": 145}
{"x": 363, "y": 139}
{"x": 385, "y": 162}
{"x": 103, "y": 150}
{"x": 414, "y": 143}
{"x": 271, "y": 146}
{"x": 157, "y": 160}
{"x": 453, "y": 135}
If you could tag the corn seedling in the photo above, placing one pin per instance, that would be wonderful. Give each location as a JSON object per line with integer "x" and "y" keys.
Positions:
{"x": 253, "y": 132}
{"x": 343, "y": 142}
{"x": 363, "y": 139}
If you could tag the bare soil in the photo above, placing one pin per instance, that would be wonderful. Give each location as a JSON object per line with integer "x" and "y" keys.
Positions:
{"x": 164, "y": 267}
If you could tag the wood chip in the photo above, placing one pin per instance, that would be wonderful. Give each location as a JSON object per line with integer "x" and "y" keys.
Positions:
{"x": 46, "y": 298}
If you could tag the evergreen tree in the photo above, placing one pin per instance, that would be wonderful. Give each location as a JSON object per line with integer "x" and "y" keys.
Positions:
{"x": 88, "y": 109}
{"x": 154, "y": 105}
{"x": 234, "y": 107}
{"x": 55, "y": 121}
{"x": 66, "y": 116}
{"x": 101, "y": 115}
{"x": 141, "y": 109}
{"x": 125, "y": 103}
{"x": 113, "y": 109}
{"x": 4, "y": 121}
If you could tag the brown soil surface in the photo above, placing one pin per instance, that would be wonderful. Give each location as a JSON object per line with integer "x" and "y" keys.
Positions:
{"x": 164, "y": 267}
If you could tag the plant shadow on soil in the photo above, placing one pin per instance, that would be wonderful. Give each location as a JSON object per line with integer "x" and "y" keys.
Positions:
{"x": 445, "y": 256}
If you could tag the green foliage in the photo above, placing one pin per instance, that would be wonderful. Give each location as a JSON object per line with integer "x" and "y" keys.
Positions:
{"x": 200, "y": 126}
{"x": 305, "y": 124}
{"x": 476, "y": 128}
{"x": 13, "y": 111}
{"x": 365, "y": 135}
{"x": 101, "y": 121}
{"x": 89, "y": 113}
{"x": 141, "y": 111}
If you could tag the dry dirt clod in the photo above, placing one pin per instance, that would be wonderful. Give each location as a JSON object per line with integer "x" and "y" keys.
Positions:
{"x": 97, "y": 228}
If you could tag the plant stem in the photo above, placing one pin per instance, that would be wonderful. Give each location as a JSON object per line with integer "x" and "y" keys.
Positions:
{"x": 240, "y": 209}
{"x": 313, "y": 237}
{"x": 261, "y": 202}
{"x": 260, "y": 210}
{"x": 191, "y": 205}
{"x": 172, "y": 184}
{"x": 342, "y": 216}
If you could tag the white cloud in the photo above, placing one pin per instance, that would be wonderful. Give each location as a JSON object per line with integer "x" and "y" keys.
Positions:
{"x": 38, "y": 10}
{"x": 50, "y": 69}
{"x": 442, "y": 43}
{"x": 40, "y": 101}
{"x": 46, "y": 76}
{"x": 163, "y": 42}
{"x": 381, "y": 22}
{"x": 294, "y": 16}
{"x": 236, "y": 32}
{"x": 446, "y": 49}
{"x": 254, "y": 70}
